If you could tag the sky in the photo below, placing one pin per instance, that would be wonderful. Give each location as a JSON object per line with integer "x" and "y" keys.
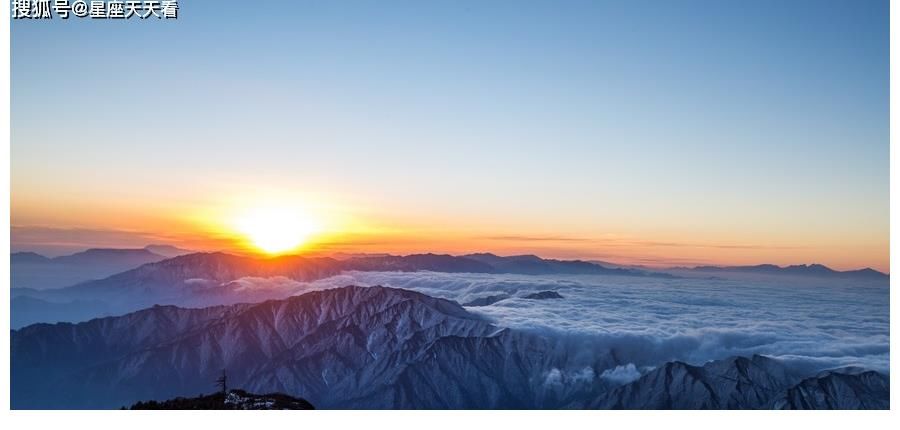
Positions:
{"x": 640, "y": 132}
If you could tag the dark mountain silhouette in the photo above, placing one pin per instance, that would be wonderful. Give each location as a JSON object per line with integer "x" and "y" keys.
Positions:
{"x": 808, "y": 270}
{"x": 487, "y": 301}
{"x": 543, "y": 295}
{"x": 235, "y": 399}
{"x": 418, "y": 262}
{"x": 168, "y": 251}
{"x": 534, "y": 265}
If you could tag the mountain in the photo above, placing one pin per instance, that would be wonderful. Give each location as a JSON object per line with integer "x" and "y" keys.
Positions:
{"x": 350, "y": 347}
{"x": 384, "y": 348}
{"x": 201, "y": 279}
{"x": 805, "y": 270}
{"x": 757, "y": 382}
{"x": 168, "y": 251}
{"x": 543, "y": 295}
{"x": 27, "y": 310}
{"x": 534, "y": 265}
{"x": 27, "y": 257}
{"x": 483, "y": 263}
{"x": 417, "y": 262}
{"x": 31, "y": 270}
{"x": 487, "y": 300}
{"x": 235, "y": 399}
{"x": 839, "y": 389}
{"x": 207, "y": 279}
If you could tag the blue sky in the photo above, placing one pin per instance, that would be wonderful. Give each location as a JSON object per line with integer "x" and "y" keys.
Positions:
{"x": 748, "y": 124}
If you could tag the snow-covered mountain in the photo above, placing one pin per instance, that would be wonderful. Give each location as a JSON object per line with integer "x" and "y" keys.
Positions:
{"x": 377, "y": 347}
{"x": 348, "y": 347}
{"x": 757, "y": 382}
{"x": 838, "y": 389}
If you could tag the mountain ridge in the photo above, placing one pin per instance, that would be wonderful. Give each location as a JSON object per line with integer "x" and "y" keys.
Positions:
{"x": 382, "y": 348}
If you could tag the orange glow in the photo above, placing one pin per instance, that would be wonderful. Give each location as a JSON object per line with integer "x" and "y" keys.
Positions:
{"x": 276, "y": 230}
{"x": 270, "y": 222}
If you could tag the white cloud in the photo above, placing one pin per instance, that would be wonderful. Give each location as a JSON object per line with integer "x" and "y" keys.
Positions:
{"x": 557, "y": 377}
{"x": 650, "y": 320}
{"x": 621, "y": 375}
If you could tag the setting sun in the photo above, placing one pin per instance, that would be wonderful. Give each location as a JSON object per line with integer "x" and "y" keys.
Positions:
{"x": 276, "y": 230}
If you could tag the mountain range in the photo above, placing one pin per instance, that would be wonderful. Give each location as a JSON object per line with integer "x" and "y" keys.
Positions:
{"x": 756, "y": 382}
{"x": 31, "y": 270}
{"x": 385, "y": 348}
{"x": 207, "y": 279}
{"x": 802, "y": 270}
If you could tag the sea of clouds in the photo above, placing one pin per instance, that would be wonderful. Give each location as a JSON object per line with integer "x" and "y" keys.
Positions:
{"x": 647, "y": 321}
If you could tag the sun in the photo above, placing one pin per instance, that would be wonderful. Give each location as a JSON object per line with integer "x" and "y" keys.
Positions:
{"x": 276, "y": 230}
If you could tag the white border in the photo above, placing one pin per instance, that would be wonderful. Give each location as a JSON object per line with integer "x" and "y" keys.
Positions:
{"x": 755, "y": 420}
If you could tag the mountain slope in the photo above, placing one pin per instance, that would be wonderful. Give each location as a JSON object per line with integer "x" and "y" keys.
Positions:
{"x": 838, "y": 390}
{"x": 168, "y": 251}
{"x": 209, "y": 279}
{"x": 346, "y": 347}
{"x": 190, "y": 280}
{"x": 801, "y": 270}
{"x": 534, "y": 265}
{"x": 31, "y": 270}
{"x": 757, "y": 382}
{"x": 377, "y": 347}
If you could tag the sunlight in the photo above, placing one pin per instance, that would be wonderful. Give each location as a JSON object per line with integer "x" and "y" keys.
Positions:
{"x": 276, "y": 230}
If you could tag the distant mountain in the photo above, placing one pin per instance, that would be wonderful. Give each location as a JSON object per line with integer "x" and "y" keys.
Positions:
{"x": 534, "y": 265}
{"x": 207, "y": 279}
{"x": 31, "y": 270}
{"x": 487, "y": 300}
{"x": 27, "y": 257}
{"x": 235, "y": 399}
{"x": 757, "y": 382}
{"x": 382, "y": 348}
{"x": 348, "y": 255}
{"x": 168, "y": 251}
{"x": 197, "y": 280}
{"x": 417, "y": 262}
{"x": 27, "y": 310}
{"x": 807, "y": 270}
{"x": 543, "y": 295}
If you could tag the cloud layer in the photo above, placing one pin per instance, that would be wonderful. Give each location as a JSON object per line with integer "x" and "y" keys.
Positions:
{"x": 648, "y": 321}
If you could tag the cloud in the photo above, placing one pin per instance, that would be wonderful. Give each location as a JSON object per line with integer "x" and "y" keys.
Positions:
{"x": 556, "y": 377}
{"x": 646, "y": 321}
{"x": 621, "y": 375}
